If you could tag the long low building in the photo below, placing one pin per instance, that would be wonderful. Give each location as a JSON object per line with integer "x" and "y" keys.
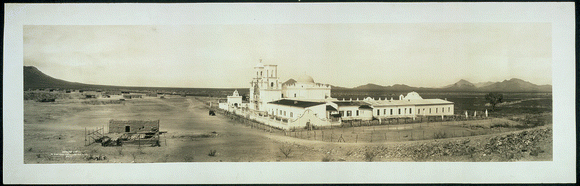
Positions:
{"x": 303, "y": 102}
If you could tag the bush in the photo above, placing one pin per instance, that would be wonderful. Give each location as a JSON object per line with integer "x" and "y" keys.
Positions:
{"x": 286, "y": 149}
{"x": 499, "y": 124}
{"x": 188, "y": 158}
{"x": 370, "y": 154}
{"x": 327, "y": 158}
{"x": 120, "y": 150}
{"x": 439, "y": 135}
{"x": 212, "y": 152}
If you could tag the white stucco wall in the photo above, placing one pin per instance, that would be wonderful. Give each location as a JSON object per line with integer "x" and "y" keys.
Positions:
{"x": 436, "y": 110}
{"x": 406, "y": 111}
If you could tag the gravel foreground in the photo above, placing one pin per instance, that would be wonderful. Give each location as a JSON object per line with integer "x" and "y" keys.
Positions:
{"x": 526, "y": 145}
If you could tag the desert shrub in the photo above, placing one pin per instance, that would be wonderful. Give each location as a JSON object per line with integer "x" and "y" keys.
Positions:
{"x": 212, "y": 152}
{"x": 348, "y": 153}
{"x": 327, "y": 158}
{"x": 370, "y": 154}
{"x": 439, "y": 135}
{"x": 188, "y": 158}
{"x": 120, "y": 150}
{"x": 286, "y": 149}
{"x": 500, "y": 124}
{"x": 134, "y": 155}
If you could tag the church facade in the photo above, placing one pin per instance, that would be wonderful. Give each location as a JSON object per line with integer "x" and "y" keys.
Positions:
{"x": 301, "y": 102}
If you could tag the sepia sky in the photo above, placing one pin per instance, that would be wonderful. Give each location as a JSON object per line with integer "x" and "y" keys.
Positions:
{"x": 348, "y": 55}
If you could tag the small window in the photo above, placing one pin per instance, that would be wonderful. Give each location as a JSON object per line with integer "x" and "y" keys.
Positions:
{"x": 294, "y": 94}
{"x": 378, "y": 112}
{"x": 356, "y": 112}
{"x": 405, "y": 111}
{"x": 284, "y": 113}
{"x": 272, "y": 84}
{"x": 399, "y": 111}
{"x": 429, "y": 110}
{"x": 341, "y": 113}
{"x": 410, "y": 111}
{"x": 348, "y": 113}
{"x": 391, "y": 111}
{"x": 385, "y": 111}
{"x": 418, "y": 111}
{"x": 127, "y": 128}
{"x": 291, "y": 115}
{"x": 448, "y": 109}
{"x": 436, "y": 110}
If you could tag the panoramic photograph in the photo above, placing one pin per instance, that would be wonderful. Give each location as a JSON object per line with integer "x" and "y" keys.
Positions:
{"x": 380, "y": 92}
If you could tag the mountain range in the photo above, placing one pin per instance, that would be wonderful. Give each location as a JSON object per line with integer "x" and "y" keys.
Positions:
{"x": 35, "y": 79}
{"x": 511, "y": 85}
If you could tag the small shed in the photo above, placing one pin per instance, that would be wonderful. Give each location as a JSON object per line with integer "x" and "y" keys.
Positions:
{"x": 133, "y": 126}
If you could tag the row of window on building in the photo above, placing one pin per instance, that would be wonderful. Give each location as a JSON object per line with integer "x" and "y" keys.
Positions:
{"x": 282, "y": 113}
{"x": 411, "y": 111}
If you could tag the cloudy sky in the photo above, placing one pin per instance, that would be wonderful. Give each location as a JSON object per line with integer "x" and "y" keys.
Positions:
{"x": 223, "y": 55}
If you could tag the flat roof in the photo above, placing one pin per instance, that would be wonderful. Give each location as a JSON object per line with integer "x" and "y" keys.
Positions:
{"x": 350, "y": 103}
{"x": 408, "y": 102}
{"x": 296, "y": 103}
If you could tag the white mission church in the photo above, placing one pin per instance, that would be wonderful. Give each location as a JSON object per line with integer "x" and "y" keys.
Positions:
{"x": 303, "y": 102}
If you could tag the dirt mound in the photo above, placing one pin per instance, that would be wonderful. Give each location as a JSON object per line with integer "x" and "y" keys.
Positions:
{"x": 533, "y": 144}
{"x": 505, "y": 147}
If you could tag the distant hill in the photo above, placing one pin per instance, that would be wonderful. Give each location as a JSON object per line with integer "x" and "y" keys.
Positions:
{"x": 512, "y": 85}
{"x": 370, "y": 86}
{"x": 35, "y": 79}
{"x": 395, "y": 87}
{"x": 462, "y": 85}
{"x": 516, "y": 85}
{"x": 483, "y": 84}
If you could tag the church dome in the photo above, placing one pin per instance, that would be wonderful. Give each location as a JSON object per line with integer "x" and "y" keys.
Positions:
{"x": 305, "y": 79}
{"x": 413, "y": 95}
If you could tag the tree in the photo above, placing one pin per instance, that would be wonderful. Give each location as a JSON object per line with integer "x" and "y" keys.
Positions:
{"x": 493, "y": 99}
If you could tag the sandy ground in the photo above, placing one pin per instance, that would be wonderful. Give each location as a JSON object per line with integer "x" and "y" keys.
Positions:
{"x": 53, "y": 133}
